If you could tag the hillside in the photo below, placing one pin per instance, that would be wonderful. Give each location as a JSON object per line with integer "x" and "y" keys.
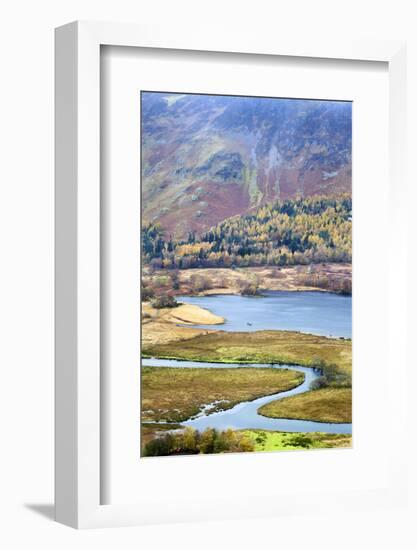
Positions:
{"x": 302, "y": 231}
{"x": 207, "y": 158}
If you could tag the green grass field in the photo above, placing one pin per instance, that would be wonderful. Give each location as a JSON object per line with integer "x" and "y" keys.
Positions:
{"x": 284, "y": 441}
{"x": 176, "y": 394}
{"x": 266, "y": 346}
{"x": 324, "y": 405}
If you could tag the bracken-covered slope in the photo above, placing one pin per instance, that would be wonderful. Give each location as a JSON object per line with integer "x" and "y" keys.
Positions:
{"x": 206, "y": 158}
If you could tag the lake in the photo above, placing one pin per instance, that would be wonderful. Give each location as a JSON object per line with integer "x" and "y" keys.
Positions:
{"x": 322, "y": 313}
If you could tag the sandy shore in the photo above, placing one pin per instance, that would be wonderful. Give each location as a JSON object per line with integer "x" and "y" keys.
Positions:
{"x": 161, "y": 325}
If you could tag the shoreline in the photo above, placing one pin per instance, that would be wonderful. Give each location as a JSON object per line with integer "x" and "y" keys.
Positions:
{"x": 171, "y": 324}
{"x": 218, "y": 409}
{"x": 326, "y": 277}
{"x": 237, "y": 362}
{"x": 185, "y": 321}
{"x": 262, "y": 292}
{"x": 229, "y": 405}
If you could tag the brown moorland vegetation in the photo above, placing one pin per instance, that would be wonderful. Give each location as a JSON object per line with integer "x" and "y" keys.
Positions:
{"x": 326, "y": 405}
{"x": 177, "y": 394}
{"x": 265, "y": 346}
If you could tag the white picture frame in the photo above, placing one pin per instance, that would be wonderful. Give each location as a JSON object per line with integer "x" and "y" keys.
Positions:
{"x": 78, "y": 411}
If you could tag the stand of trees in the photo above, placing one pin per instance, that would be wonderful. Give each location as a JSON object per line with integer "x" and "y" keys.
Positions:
{"x": 302, "y": 231}
{"x": 192, "y": 441}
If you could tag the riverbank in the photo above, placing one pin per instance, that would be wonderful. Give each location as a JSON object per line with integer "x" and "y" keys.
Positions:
{"x": 265, "y": 346}
{"x": 333, "y": 277}
{"x": 324, "y": 405}
{"x": 178, "y": 394}
{"x": 333, "y": 358}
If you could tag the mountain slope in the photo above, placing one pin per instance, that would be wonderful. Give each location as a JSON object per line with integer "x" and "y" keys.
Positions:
{"x": 302, "y": 231}
{"x": 206, "y": 158}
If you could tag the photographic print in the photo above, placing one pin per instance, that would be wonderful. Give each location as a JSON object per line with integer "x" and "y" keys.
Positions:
{"x": 246, "y": 278}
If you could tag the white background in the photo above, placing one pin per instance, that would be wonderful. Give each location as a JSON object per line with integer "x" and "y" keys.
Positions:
{"x": 269, "y": 476}
{"x": 26, "y": 389}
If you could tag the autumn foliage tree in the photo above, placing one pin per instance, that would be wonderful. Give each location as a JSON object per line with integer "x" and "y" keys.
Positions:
{"x": 293, "y": 232}
{"x": 190, "y": 441}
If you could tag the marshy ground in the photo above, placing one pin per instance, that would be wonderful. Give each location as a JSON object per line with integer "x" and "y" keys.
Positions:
{"x": 177, "y": 394}
{"x": 173, "y": 395}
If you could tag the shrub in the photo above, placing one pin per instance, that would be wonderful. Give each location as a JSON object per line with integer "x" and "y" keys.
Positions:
{"x": 330, "y": 375}
{"x": 320, "y": 382}
{"x": 346, "y": 287}
{"x": 261, "y": 438}
{"x": 147, "y": 293}
{"x": 165, "y": 300}
{"x": 199, "y": 283}
{"x": 249, "y": 290}
{"x": 175, "y": 280}
{"x": 190, "y": 440}
{"x": 160, "y": 446}
{"x": 276, "y": 274}
{"x": 245, "y": 445}
{"x": 161, "y": 280}
{"x": 299, "y": 440}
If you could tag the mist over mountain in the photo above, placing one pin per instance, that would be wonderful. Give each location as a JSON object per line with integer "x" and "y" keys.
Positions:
{"x": 206, "y": 158}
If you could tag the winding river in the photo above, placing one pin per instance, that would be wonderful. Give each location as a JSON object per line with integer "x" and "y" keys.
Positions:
{"x": 313, "y": 312}
{"x": 245, "y": 414}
